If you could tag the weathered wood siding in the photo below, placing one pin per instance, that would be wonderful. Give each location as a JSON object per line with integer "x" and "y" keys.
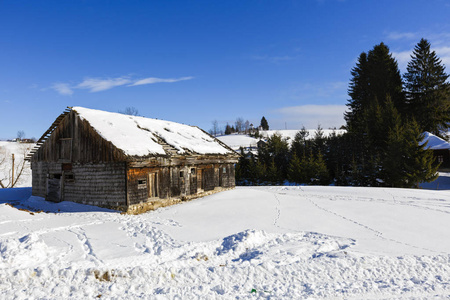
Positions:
{"x": 177, "y": 181}
{"x": 40, "y": 174}
{"x": 227, "y": 176}
{"x": 102, "y": 184}
{"x": 74, "y": 140}
{"x": 76, "y": 164}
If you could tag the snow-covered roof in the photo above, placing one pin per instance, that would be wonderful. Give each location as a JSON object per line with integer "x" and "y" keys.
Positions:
{"x": 435, "y": 142}
{"x": 139, "y": 136}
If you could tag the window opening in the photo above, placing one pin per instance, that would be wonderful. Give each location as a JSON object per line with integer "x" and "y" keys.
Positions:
{"x": 69, "y": 177}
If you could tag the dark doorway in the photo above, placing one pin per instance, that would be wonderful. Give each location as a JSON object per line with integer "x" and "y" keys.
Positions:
{"x": 193, "y": 182}
{"x": 54, "y": 188}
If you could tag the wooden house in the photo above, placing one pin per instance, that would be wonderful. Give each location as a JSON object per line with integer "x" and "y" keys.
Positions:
{"x": 127, "y": 162}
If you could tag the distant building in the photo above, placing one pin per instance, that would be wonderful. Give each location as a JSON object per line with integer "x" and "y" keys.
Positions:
{"x": 126, "y": 162}
{"x": 441, "y": 150}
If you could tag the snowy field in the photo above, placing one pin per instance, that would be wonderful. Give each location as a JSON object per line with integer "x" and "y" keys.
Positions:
{"x": 247, "y": 243}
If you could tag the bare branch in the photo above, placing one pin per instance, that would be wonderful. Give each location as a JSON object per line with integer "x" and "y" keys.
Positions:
{"x": 19, "y": 168}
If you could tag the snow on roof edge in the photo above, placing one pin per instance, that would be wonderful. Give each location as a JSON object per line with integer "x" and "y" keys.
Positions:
{"x": 434, "y": 142}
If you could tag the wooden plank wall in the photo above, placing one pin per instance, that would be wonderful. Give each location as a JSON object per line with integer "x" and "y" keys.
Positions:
{"x": 173, "y": 184}
{"x": 102, "y": 175}
{"x": 87, "y": 146}
{"x": 39, "y": 179}
{"x": 101, "y": 184}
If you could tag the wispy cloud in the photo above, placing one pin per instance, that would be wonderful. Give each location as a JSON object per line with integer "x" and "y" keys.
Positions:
{"x": 151, "y": 80}
{"x": 62, "y": 88}
{"x": 440, "y": 42}
{"x": 403, "y": 57}
{"x": 98, "y": 85}
{"x": 328, "y": 116}
{"x": 444, "y": 54}
{"x": 102, "y": 84}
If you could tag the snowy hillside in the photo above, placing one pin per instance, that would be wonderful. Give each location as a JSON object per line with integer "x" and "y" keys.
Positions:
{"x": 19, "y": 150}
{"x": 290, "y": 134}
{"x": 247, "y": 243}
{"x": 236, "y": 141}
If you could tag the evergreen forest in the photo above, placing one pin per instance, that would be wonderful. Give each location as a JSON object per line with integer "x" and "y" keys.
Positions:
{"x": 386, "y": 117}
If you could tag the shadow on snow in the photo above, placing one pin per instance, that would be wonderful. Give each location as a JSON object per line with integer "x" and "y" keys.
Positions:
{"x": 21, "y": 198}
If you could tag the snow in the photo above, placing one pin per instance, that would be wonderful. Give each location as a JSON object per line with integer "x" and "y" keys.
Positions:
{"x": 19, "y": 150}
{"x": 290, "y": 134}
{"x": 236, "y": 141}
{"x": 441, "y": 183}
{"x": 139, "y": 136}
{"x": 303, "y": 242}
{"x": 435, "y": 142}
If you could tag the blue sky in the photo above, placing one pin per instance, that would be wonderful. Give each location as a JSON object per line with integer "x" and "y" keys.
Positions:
{"x": 197, "y": 61}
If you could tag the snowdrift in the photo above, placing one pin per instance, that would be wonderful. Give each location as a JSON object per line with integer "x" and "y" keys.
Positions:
{"x": 260, "y": 242}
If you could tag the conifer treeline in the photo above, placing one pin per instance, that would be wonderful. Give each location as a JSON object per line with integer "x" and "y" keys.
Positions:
{"x": 386, "y": 119}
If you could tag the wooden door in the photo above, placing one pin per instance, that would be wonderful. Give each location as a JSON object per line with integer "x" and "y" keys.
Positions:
{"x": 193, "y": 181}
{"x": 153, "y": 185}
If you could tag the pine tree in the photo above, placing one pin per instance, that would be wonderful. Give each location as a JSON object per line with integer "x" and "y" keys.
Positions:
{"x": 309, "y": 169}
{"x": 420, "y": 165}
{"x": 375, "y": 78}
{"x": 227, "y": 129}
{"x": 322, "y": 174}
{"x": 260, "y": 171}
{"x": 242, "y": 167}
{"x": 428, "y": 93}
{"x": 319, "y": 140}
{"x": 299, "y": 144}
{"x": 358, "y": 92}
{"x": 376, "y": 93}
{"x": 277, "y": 149}
{"x": 384, "y": 77}
{"x": 406, "y": 163}
{"x": 264, "y": 124}
{"x": 294, "y": 169}
{"x": 273, "y": 174}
